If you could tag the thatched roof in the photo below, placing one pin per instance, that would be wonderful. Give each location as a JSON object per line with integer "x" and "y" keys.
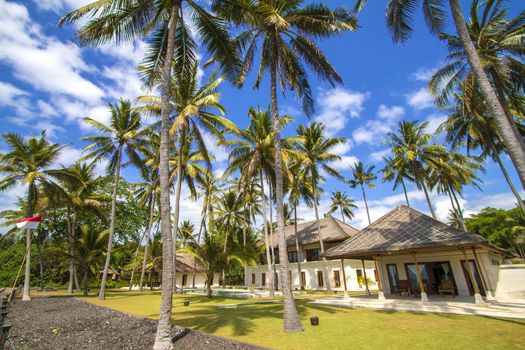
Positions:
{"x": 332, "y": 230}
{"x": 403, "y": 229}
{"x": 185, "y": 262}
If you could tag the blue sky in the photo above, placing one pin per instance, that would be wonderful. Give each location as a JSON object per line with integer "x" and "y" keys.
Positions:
{"x": 46, "y": 82}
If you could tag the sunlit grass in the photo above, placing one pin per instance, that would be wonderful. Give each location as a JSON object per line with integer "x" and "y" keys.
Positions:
{"x": 339, "y": 328}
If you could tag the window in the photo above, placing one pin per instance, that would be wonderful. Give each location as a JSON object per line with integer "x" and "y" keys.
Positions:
{"x": 313, "y": 254}
{"x": 184, "y": 280}
{"x": 320, "y": 282}
{"x": 359, "y": 273}
{"x": 263, "y": 279}
{"x": 292, "y": 256}
{"x": 276, "y": 256}
{"x": 253, "y": 278}
{"x": 276, "y": 281}
{"x": 393, "y": 278}
{"x": 337, "y": 279}
{"x": 303, "y": 278}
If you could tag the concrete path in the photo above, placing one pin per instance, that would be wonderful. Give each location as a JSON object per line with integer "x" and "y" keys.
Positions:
{"x": 460, "y": 306}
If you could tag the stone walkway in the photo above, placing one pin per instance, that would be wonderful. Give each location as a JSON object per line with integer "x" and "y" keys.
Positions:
{"x": 460, "y": 306}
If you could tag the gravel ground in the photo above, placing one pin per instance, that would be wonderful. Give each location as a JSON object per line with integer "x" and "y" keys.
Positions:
{"x": 68, "y": 323}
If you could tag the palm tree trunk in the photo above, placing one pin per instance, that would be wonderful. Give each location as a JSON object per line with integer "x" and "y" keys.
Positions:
{"x": 274, "y": 268}
{"x": 458, "y": 208}
{"x": 244, "y": 228}
{"x": 85, "y": 281}
{"x": 428, "y": 200}
{"x": 321, "y": 242}
{"x": 203, "y": 219}
{"x": 102, "y": 292}
{"x": 150, "y": 224}
{"x": 512, "y": 143}
{"x": 297, "y": 247}
{"x": 163, "y": 336}
{"x": 366, "y": 204}
{"x": 71, "y": 250}
{"x": 405, "y": 192}
{"x": 176, "y": 212}
{"x": 496, "y": 156}
{"x": 342, "y": 214}
{"x": 74, "y": 237}
{"x": 271, "y": 289}
{"x": 27, "y": 276}
{"x": 292, "y": 322}
{"x": 40, "y": 264}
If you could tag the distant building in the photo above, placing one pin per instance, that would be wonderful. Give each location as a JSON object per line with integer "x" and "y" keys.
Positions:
{"x": 187, "y": 268}
{"x": 312, "y": 274}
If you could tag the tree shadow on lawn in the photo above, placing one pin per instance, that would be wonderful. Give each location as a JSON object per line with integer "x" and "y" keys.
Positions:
{"x": 240, "y": 318}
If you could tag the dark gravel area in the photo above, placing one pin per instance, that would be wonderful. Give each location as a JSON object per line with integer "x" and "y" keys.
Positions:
{"x": 69, "y": 323}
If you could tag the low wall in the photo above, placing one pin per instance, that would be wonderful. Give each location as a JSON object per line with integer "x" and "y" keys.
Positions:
{"x": 510, "y": 281}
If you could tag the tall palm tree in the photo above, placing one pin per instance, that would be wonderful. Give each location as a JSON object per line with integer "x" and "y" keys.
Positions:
{"x": 172, "y": 46}
{"x": 361, "y": 176}
{"x": 252, "y": 154}
{"x": 314, "y": 152}
{"x": 80, "y": 184}
{"x": 123, "y": 134}
{"x": 399, "y": 16}
{"x": 396, "y": 170}
{"x": 88, "y": 250}
{"x": 341, "y": 202}
{"x": 411, "y": 145}
{"x": 284, "y": 31}
{"x": 27, "y": 162}
{"x": 229, "y": 217}
{"x": 193, "y": 108}
{"x": 299, "y": 189}
{"x": 469, "y": 124}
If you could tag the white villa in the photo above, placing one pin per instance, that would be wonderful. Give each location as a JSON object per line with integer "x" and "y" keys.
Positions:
{"x": 418, "y": 255}
{"x": 351, "y": 272}
{"x": 186, "y": 269}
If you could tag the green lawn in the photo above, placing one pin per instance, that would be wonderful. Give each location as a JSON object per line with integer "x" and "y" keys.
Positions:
{"x": 339, "y": 328}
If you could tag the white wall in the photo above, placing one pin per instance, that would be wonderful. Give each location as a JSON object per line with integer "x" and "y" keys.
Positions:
{"x": 200, "y": 280}
{"x": 310, "y": 268}
{"x": 510, "y": 282}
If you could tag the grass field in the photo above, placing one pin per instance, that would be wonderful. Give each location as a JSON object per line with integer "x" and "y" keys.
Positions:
{"x": 339, "y": 328}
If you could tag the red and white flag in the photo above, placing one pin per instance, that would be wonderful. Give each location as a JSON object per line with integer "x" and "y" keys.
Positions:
{"x": 29, "y": 223}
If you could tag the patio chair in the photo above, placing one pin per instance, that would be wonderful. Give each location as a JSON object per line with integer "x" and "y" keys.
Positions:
{"x": 446, "y": 287}
{"x": 401, "y": 288}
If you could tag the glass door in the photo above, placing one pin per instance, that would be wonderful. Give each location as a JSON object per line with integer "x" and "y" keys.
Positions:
{"x": 477, "y": 278}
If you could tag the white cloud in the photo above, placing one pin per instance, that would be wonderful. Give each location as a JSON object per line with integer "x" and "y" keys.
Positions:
{"x": 342, "y": 148}
{"x": 424, "y": 74}
{"x": 45, "y": 63}
{"x": 9, "y": 94}
{"x": 420, "y": 99}
{"x": 390, "y": 114}
{"x": 337, "y": 105}
{"x": 346, "y": 162}
{"x": 378, "y": 155}
{"x": 434, "y": 121}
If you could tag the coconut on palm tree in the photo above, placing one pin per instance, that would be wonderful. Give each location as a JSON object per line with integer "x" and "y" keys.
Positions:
{"x": 27, "y": 162}
{"x": 121, "y": 136}
{"x": 342, "y": 203}
{"x": 363, "y": 176}
{"x": 399, "y": 18}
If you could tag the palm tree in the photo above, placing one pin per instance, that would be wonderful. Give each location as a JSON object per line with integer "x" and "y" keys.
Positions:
{"x": 456, "y": 220}
{"x": 361, "y": 176}
{"x": 341, "y": 202}
{"x": 313, "y": 151}
{"x": 229, "y": 217}
{"x": 88, "y": 250}
{"x": 210, "y": 255}
{"x": 299, "y": 189}
{"x": 399, "y": 16}
{"x": 285, "y": 30}
{"x": 252, "y": 154}
{"x": 121, "y": 135}
{"x": 469, "y": 124}
{"x": 186, "y": 233}
{"x": 27, "y": 162}
{"x": 80, "y": 185}
{"x": 396, "y": 170}
{"x": 412, "y": 150}
{"x": 193, "y": 108}
{"x": 171, "y": 45}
